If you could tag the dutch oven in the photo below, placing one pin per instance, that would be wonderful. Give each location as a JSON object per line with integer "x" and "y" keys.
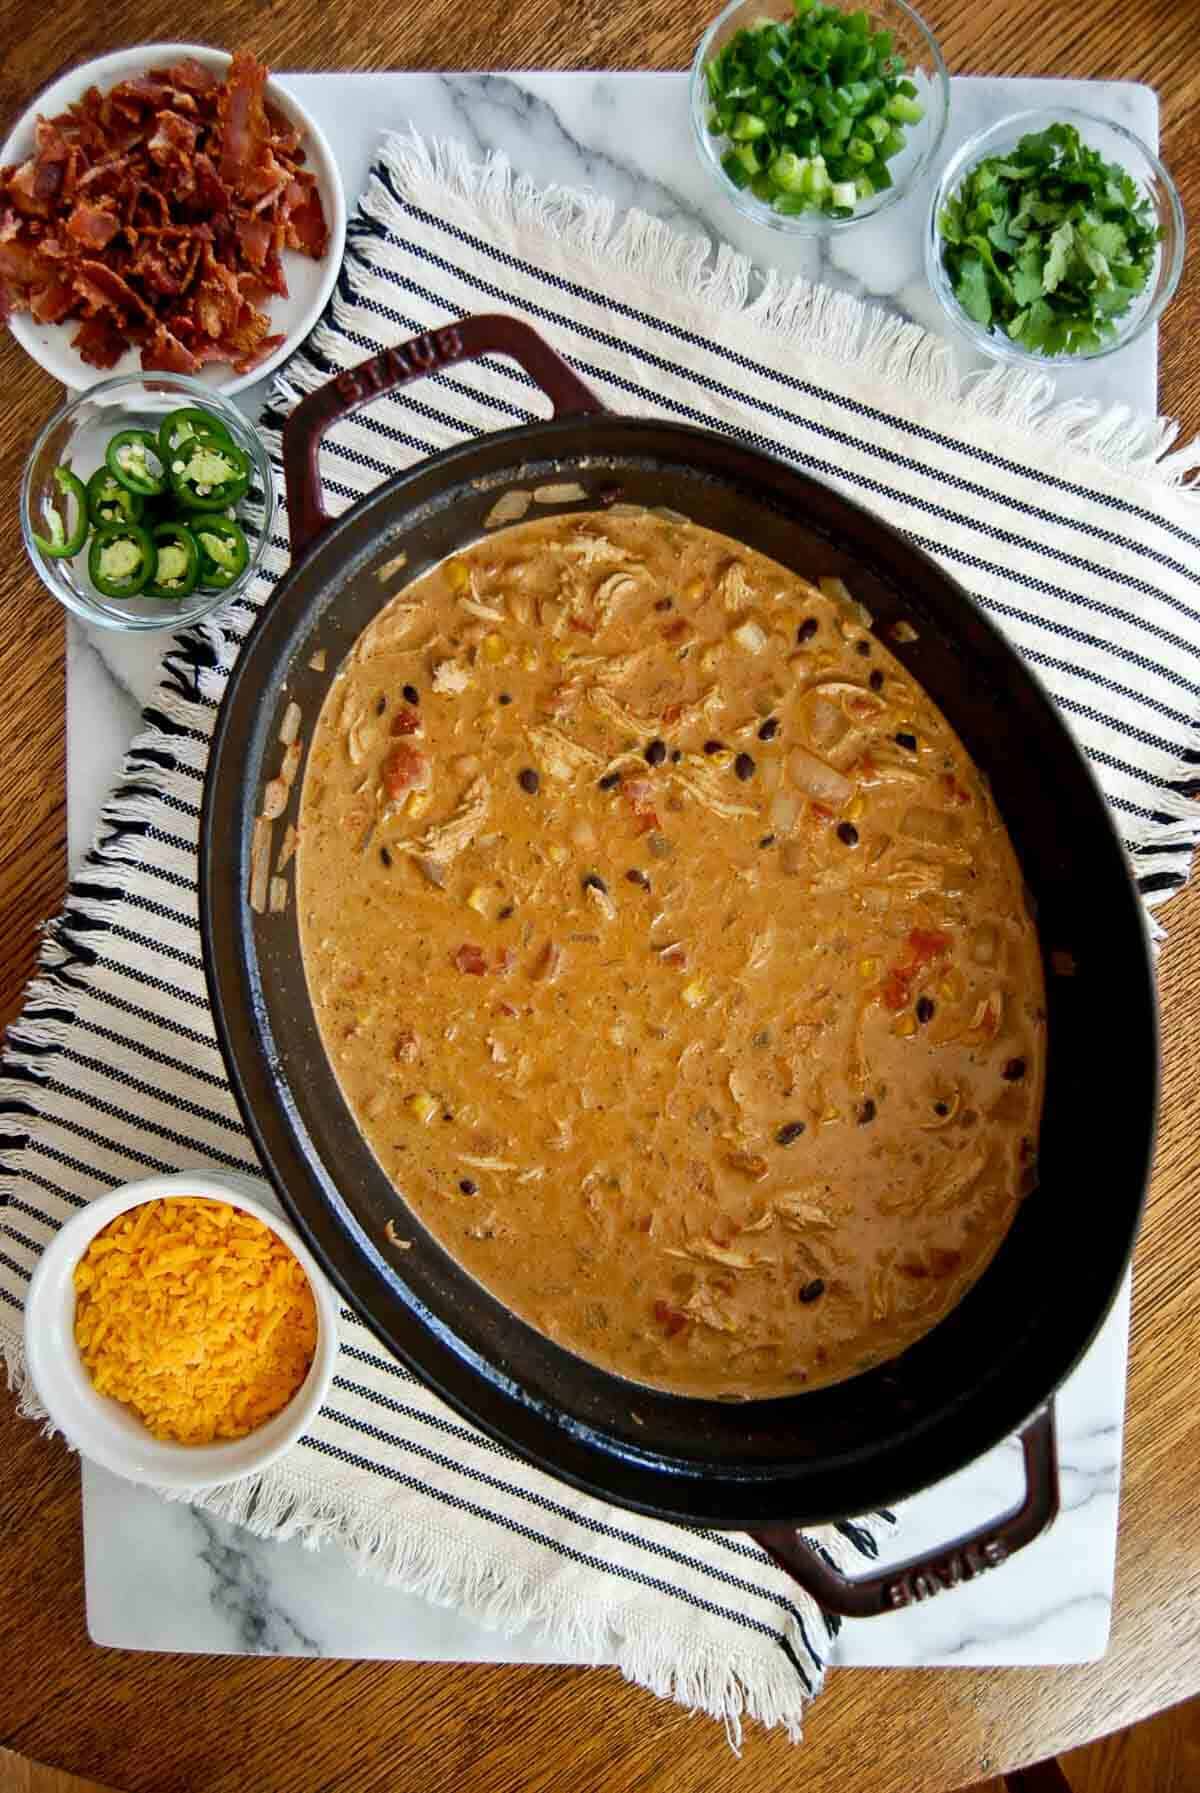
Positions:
{"x": 990, "y": 1368}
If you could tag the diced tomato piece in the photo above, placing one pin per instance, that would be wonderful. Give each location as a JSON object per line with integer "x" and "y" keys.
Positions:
{"x": 895, "y": 988}
{"x": 671, "y": 715}
{"x": 955, "y": 791}
{"x": 925, "y": 944}
{"x": 639, "y": 794}
{"x": 669, "y": 1318}
{"x": 470, "y": 960}
{"x": 677, "y": 630}
{"x": 581, "y": 623}
{"x": 506, "y": 958}
{"x": 404, "y": 769}
{"x": 406, "y": 721}
{"x": 821, "y": 811}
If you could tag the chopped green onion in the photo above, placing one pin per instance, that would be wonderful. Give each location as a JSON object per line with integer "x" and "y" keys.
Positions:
{"x": 818, "y": 90}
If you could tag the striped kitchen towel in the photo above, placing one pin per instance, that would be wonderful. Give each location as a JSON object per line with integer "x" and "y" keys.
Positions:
{"x": 1076, "y": 534}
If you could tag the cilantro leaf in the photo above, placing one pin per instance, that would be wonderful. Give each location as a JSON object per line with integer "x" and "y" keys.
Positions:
{"x": 1049, "y": 244}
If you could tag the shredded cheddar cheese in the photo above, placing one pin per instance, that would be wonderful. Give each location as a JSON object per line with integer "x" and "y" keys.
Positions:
{"x": 197, "y": 1316}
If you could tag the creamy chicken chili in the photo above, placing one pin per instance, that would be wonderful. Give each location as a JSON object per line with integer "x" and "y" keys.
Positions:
{"x": 671, "y": 954}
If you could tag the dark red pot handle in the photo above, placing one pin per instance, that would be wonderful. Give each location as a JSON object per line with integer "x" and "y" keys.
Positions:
{"x": 465, "y": 341}
{"x": 864, "y": 1596}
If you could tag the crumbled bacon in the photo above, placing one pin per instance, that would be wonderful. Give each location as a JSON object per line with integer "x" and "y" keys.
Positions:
{"x": 156, "y": 215}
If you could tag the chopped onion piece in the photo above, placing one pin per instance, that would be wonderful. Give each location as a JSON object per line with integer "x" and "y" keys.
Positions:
{"x": 289, "y": 728}
{"x": 279, "y": 895}
{"x": 826, "y": 721}
{"x": 920, "y": 823}
{"x": 570, "y": 492}
{"x": 750, "y": 636}
{"x": 817, "y": 778}
{"x": 509, "y": 508}
{"x": 275, "y": 796}
{"x": 667, "y": 514}
{"x": 783, "y": 811}
{"x": 260, "y": 864}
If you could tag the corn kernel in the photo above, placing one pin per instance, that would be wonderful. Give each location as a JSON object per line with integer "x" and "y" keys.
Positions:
{"x": 480, "y": 899}
{"x": 529, "y": 659}
{"x": 493, "y": 649}
{"x": 695, "y": 993}
{"x": 422, "y": 1107}
{"x": 418, "y": 803}
{"x": 854, "y": 809}
{"x": 558, "y": 855}
{"x": 694, "y": 590}
{"x": 868, "y": 969}
{"x": 722, "y": 759}
{"x": 457, "y": 576}
{"x": 710, "y": 659}
{"x": 906, "y": 1026}
{"x": 951, "y": 986}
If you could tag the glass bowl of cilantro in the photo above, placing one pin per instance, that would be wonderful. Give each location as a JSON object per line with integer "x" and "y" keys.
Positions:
{"x": 1055, "y": 237}
{"x": 814, "y": 114}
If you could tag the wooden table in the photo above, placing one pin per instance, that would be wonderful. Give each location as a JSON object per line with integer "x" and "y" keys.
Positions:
{"x": 251, "y": 1725}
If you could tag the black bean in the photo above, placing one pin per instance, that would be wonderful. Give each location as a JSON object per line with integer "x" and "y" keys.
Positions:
{"x": 1014, "y": 1070}
{"x": 769, "y": 729}
{"x": 925, "y": 1010}
{"x": 865, "y": 1112}
{"x": 743, "y": 765}
{"x": 503, "y": 914}
{"x": 609, "y": 495}
{"x": 788, "y": 1134}
{"x": 529, "y": 781}
{"x": 807, "y": 629}
{"x": 676, "y": 755}
{"x": 593, "y": 881}
{"x": 862, "y": 647}
{"x": 812, "y": 1291}
{"x": 908, "y": 742}
{"x": 609, "y": 781}
{"x": 411, "y": 695}
{"x": 468, "y": 1187}
{"x": 665, "y": 604}
{"x": 768, "y": 840}
{"x": 876, "y": 679}
{"x": 380, "y": 704}
{"x": 385, "y": 853}
{"x": 714, "y": 747}
{"x": 656, "y": 753}
{"x": 504, "y": 698}
{"x": 941, "y": 1109}
{"x": 847, "y": 833}
{"x": 634, "y": 876}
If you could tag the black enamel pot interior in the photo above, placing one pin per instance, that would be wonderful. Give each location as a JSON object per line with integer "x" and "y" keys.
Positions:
{"x": 999, "y": 1356}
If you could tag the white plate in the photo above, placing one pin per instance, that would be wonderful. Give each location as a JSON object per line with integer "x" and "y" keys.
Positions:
{"x": 309, "y": 282}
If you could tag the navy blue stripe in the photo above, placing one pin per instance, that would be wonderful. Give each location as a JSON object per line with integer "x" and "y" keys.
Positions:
{"x": 804, "y": 388}
{"x": 584, "y": 1558}
{"x": 831, "y": 470}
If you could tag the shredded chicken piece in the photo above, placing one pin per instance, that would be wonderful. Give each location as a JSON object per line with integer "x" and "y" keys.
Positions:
{"x": 595, "y": 551}
{"x": 708, "y": 1250}
{"x": 447, "y": 839}
{"x": 387, "y": 631}
{"x": 702, "y": 1306}
{"x": 795, "y": 1209}
{"x": 612, "y": 592}
{"x": 562, "y": 757}
{"x": 736, "y": 591}
{"x": 709, "y": 786}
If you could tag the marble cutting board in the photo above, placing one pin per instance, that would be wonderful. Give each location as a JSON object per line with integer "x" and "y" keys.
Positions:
{"x": 165, "y": 1577}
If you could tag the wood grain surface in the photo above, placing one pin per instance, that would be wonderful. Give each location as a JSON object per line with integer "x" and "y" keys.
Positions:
{"x": 157, "y": 1724}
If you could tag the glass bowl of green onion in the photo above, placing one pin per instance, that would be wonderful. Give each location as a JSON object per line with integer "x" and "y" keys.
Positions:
{"x": 147, "y": 502}
{"x": 1054, "y": 237}
{"x": 815, "y": 114}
